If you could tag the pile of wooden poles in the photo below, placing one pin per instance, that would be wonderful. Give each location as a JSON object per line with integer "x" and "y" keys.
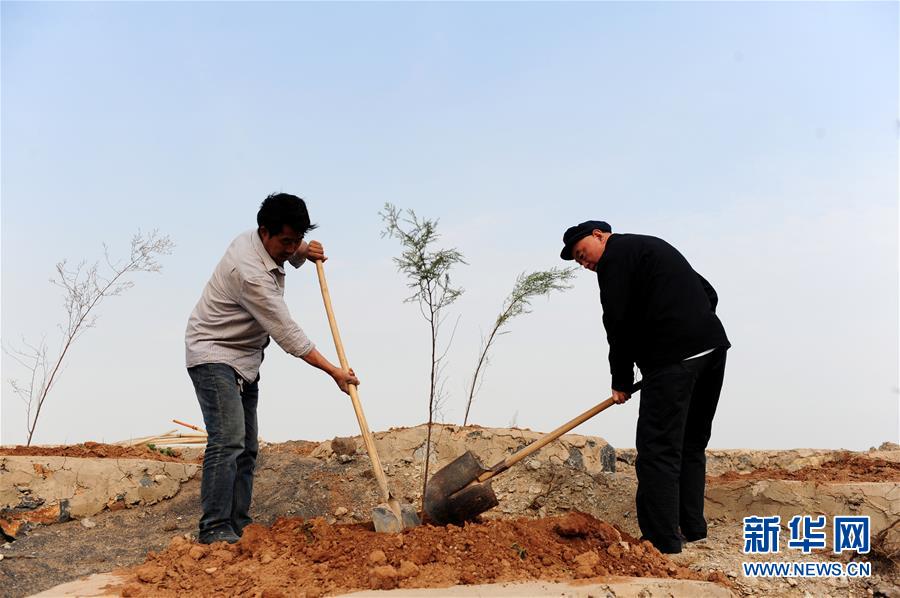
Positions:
{"x": 171, "y": 438}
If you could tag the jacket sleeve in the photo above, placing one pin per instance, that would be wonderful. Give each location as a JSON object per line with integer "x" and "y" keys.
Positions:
{"x": 710, "y": 292}
{"x": 616, "y": 283}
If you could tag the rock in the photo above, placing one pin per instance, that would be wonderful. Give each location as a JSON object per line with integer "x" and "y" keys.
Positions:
{"x": 887, "y": 591}
{"x": 88, "y": 523}
{"x": 340, "y": 511}
{"x": 198, "y": 552}
{"x": 343, "y": 446}
{"x": 649, "y": 548}
{"x": 179, "y": 544}
{"x": 608, "y": 533}
{"x": 589, "y": 558}
{"x": 211, "y": 569}
{"x": 345, "y": 458}
{"x": 407, "y": 569}
{"x": 383, "y": 578}
{"x": 614, "y": 550}
{"x": 170, "y": 526}
{"x": 586, "y": 561}
{"x": 377, "y": 557}
{"x": 150, "y": 573}
{"x": 13, "y": 523}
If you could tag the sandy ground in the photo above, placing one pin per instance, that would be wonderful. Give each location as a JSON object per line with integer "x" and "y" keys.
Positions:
{"x": 313, "y": 537}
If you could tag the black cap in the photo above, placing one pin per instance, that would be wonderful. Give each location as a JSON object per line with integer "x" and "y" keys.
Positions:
{"x": 576, "y": 233}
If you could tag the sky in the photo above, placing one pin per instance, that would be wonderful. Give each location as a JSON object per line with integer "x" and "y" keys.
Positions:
{"x": 760, "y": 139}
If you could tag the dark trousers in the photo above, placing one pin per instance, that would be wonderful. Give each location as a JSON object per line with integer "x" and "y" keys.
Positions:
{"x": 229, "y": 413}
{"x": 678, "y": 403}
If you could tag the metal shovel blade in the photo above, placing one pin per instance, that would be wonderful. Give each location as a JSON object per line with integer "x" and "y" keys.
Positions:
{"x": 409, "y": 516}
{"x": 444, "y": 503}
{"x": 385, "y": 520}
{"x": 470, "y": 502}
{"x": 393, "y": 517}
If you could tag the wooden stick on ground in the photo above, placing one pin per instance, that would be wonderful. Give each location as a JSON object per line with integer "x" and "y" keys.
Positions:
{"x": 192, "y": 427}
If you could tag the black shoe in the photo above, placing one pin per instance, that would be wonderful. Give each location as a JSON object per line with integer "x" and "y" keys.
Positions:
{"x": 693, "y": 537}
{"x": 221, "y": 535}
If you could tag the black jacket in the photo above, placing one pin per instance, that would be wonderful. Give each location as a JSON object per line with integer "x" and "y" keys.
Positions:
{"x": 656, "y": 309}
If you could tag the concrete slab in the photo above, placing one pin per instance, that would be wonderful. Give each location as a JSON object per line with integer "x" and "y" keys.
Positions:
{"x": 92, "y": 586}
{"x": 95, "y": 586}
{"x": 42, "y": 489}
{"x": 743, "y": 498}
{"x": 618, "y": 587}
{"x": 407, "y": 445}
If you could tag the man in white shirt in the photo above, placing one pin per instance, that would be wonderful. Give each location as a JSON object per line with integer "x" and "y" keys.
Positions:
{"x": 241, "y": 307}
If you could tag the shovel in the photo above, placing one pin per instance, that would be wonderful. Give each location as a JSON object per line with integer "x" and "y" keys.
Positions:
{"x": 390, "y": 516}
{"x": 461, "y": 491}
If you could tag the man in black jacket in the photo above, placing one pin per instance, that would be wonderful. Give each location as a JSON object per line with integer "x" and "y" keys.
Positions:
{"x": 661, "y": 315}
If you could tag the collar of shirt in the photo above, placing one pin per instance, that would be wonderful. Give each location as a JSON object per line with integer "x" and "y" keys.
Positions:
{"x": 263, "y": 254}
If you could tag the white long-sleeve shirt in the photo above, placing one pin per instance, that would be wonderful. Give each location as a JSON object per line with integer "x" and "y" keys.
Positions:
{"x": 242, "y": 306}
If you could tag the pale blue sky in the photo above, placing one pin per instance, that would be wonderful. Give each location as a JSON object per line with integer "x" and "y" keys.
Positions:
{"x": 758, "y": 138}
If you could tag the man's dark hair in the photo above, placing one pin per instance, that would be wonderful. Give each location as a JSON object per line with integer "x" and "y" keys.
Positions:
{"x": 281, "y": 209}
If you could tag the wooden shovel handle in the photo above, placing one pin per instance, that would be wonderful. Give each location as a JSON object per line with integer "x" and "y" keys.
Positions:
{"x": 548, "y": 438}
{"x": 368, "y": 439}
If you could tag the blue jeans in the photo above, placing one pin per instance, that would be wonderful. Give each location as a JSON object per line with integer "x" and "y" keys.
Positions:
{"x": 229, "y": 413}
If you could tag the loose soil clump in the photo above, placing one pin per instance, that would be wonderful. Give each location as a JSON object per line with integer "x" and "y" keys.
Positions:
{"x": 297, "y": 557}
{"x": 301, "y": 448}
{"x": 96, "y": 450}
{"x": 846, "y": 467}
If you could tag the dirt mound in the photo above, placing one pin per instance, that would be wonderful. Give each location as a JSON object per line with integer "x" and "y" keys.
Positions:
{"x": 846, "y": 467}
{"x": 309, "y": 557}
{"x": 96, "y": 450}
{"x": 301, "y": 448}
